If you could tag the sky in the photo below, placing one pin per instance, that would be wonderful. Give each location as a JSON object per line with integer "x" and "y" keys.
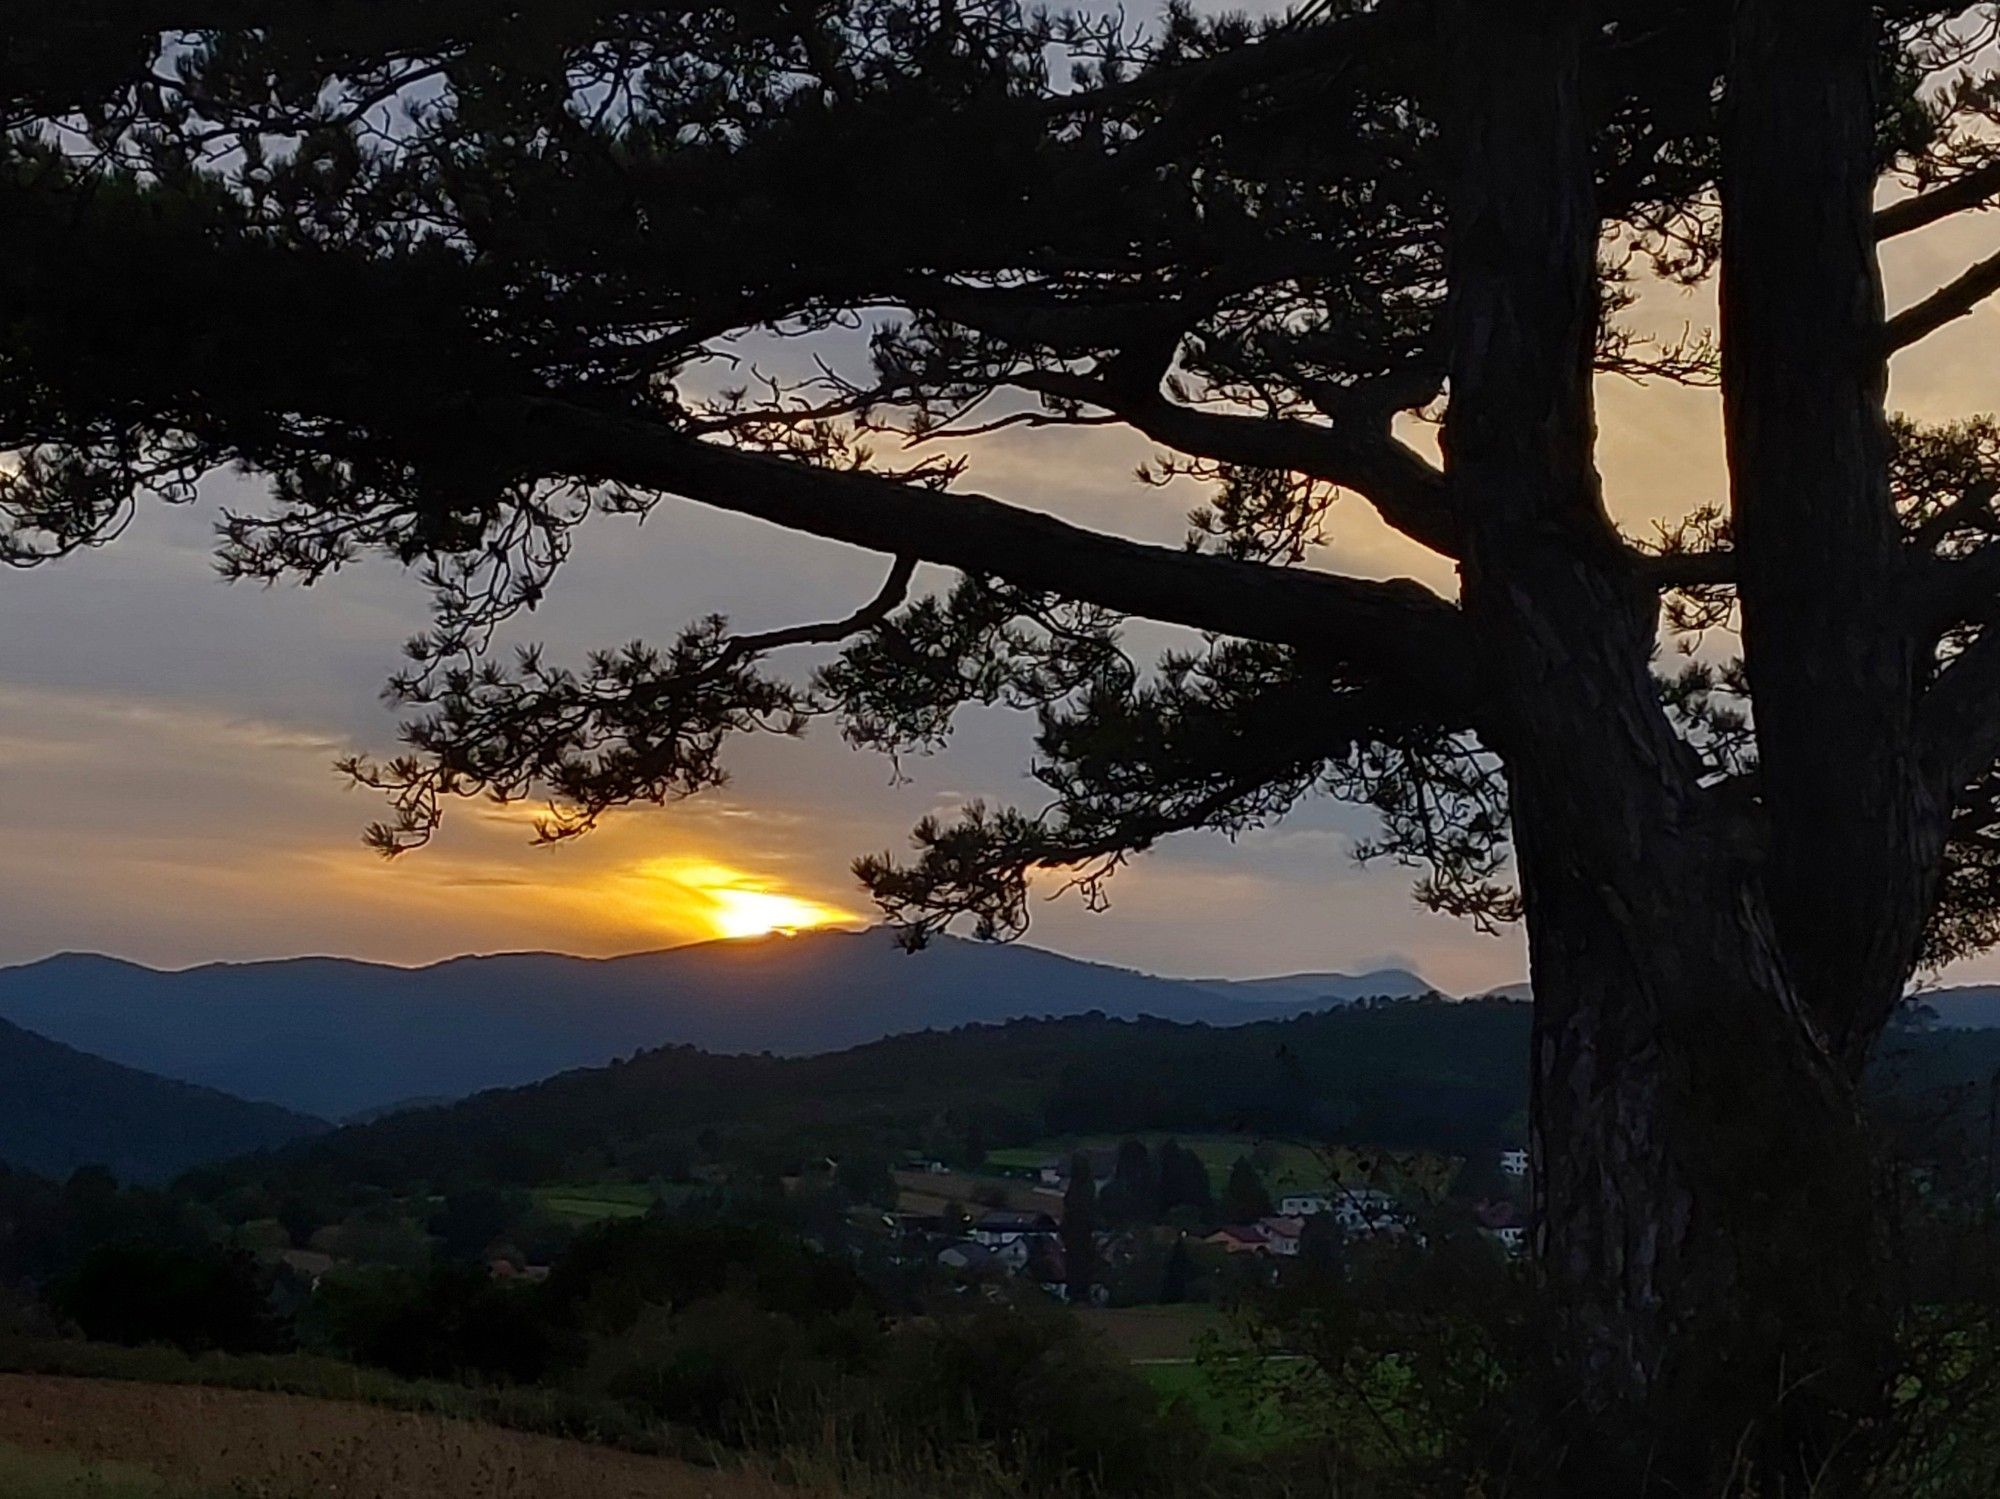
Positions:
{"x": 167, "y": 740}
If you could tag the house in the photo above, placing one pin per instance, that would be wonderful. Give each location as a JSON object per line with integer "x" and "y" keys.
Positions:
{"x": 1249, "y": 1238}
{"x": 1366, "y": 1210}
{"x": 1514, "y": 1162}
{"x": 969, "y": 1258}
{"x": 1103, "y": 1159}
{"x": 505, "y": 1269}
{"x": 1358, "y": 1210}
{"x": 998, "y": 1229}
{"x": 1282, "y": 1235}
{"x": 1501, "y": 1221}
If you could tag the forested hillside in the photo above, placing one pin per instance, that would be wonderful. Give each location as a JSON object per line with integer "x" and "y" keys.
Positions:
{"x": 61, "y": 1109}
{"x": 1445, "y": 1075}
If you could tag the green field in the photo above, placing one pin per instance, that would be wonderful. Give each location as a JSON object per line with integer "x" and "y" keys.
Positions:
{"x": 1239, "y": 1421}
{"x": 595, "y": 1202}
{"x": 1295, "y": 1167}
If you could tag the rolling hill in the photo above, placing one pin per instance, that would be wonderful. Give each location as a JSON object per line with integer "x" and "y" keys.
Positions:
{"x": 336, "y": 1037}
{"x": 1434, "y": 1074}
{"x": 61, "y": 1109}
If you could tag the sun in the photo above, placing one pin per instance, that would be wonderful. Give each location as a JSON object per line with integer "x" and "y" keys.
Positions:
{"x": 730, "y": 902}
{"x": 756, "y": 913}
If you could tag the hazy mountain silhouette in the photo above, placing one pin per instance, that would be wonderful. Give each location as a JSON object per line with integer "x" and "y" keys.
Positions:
{"x": 61, "y": 1109}
{"x": 1973, "y": 1007}
{"x": 336, "y": 1037}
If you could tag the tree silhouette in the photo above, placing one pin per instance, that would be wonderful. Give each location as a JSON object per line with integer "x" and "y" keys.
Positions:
{"x": 1132, "y": 1195}
{"x": 1079, "y": 1228}
{"x": 1244, "y": 1198}
{"x": 454, "y": 277}
{"x": 1183, "y": 1180}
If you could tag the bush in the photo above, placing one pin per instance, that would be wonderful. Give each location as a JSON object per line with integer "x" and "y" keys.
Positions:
{"x": 452, "y": 1321}
{"x": 196, "y": 1300}
{"x": 1058, "y": 1406}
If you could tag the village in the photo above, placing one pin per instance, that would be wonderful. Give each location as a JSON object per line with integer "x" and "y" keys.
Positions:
{"x": 1012, "y": 1221}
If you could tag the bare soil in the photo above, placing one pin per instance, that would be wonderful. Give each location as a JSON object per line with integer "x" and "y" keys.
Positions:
{"x": 252, "y": 1445}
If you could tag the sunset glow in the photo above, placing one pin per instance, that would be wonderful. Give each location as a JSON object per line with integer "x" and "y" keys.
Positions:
{"x": 732, "y": 903}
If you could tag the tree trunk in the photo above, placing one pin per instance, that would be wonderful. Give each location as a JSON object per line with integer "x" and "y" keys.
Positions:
{"x": 1856, "y": 832}
{"x": 1707, "y": 1242}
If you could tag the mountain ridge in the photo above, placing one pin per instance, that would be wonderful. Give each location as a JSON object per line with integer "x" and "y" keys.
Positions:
{"x": 336, "y": 1036}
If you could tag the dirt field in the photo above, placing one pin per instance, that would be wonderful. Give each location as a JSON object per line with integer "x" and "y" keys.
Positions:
{"x": 929, "y": 1192}
{"x": 258, "y": 1446}
{"x": 1150, "y": 1334}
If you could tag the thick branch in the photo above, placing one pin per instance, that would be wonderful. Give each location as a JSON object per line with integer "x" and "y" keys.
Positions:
{"x": 1409, "y": 493}
{"x": 1959, "y": 720}
{"x": 1396, "y": 629}
{"x": 894, "y": 590}
{"x": 1667, "y": 570}
{"x": 1975, "y": 189}
{"x": 1950, "y": 592}
{"x": 1950, "y": 302}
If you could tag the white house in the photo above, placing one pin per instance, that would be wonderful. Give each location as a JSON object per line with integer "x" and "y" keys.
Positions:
{"x": 1282, "y": 1235}
{"x": 998, "y": 1230}
{"x": 1358, "y": 1210}
{"x": 1365, "y": 1210}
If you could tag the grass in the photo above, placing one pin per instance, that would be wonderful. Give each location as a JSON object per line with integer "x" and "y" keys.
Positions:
{"x": 594, "y": 1203}
{"x": 1240, "y": 1422}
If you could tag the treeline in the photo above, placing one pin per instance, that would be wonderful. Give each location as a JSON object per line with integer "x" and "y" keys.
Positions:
{"x": 1447, "y": 1077}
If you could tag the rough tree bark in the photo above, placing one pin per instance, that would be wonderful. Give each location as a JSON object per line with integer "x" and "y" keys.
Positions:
{"x": 1706, "y": 1236}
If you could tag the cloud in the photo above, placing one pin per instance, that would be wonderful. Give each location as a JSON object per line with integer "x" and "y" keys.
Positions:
{"x": 166, "y": 741}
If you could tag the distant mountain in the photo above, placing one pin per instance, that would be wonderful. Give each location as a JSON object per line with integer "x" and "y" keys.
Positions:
{"x": 61, "y": 1109}
{"x": 1973, "y": 1007}
{"x": 335, "y": 1037}
{"x": 1321, "y": 989}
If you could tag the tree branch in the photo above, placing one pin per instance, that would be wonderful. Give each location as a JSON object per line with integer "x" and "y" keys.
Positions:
{"x": 1409, "y": 493}
{"x": 1959, "y": 719}
{"x": 1956, "y": 591}
{"x": 1975, "y": 189}
{"x": 1667, "y": 570}
{"x": 1947, "y": 304}
{"x": 894, "y": 590}
{"x": 1397, "y": 629}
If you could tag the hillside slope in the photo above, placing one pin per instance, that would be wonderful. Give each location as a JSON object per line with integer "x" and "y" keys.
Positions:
{"x": 335, "y": 1037}
{"x": 61, "y": 1109}
{"x": 1440, "y": 1075}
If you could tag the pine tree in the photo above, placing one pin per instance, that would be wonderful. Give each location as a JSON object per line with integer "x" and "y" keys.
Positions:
{"x": 1244, "y": 1199}
{"x": 406, "y": 264}
{"x": 1079, "y": 1228}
